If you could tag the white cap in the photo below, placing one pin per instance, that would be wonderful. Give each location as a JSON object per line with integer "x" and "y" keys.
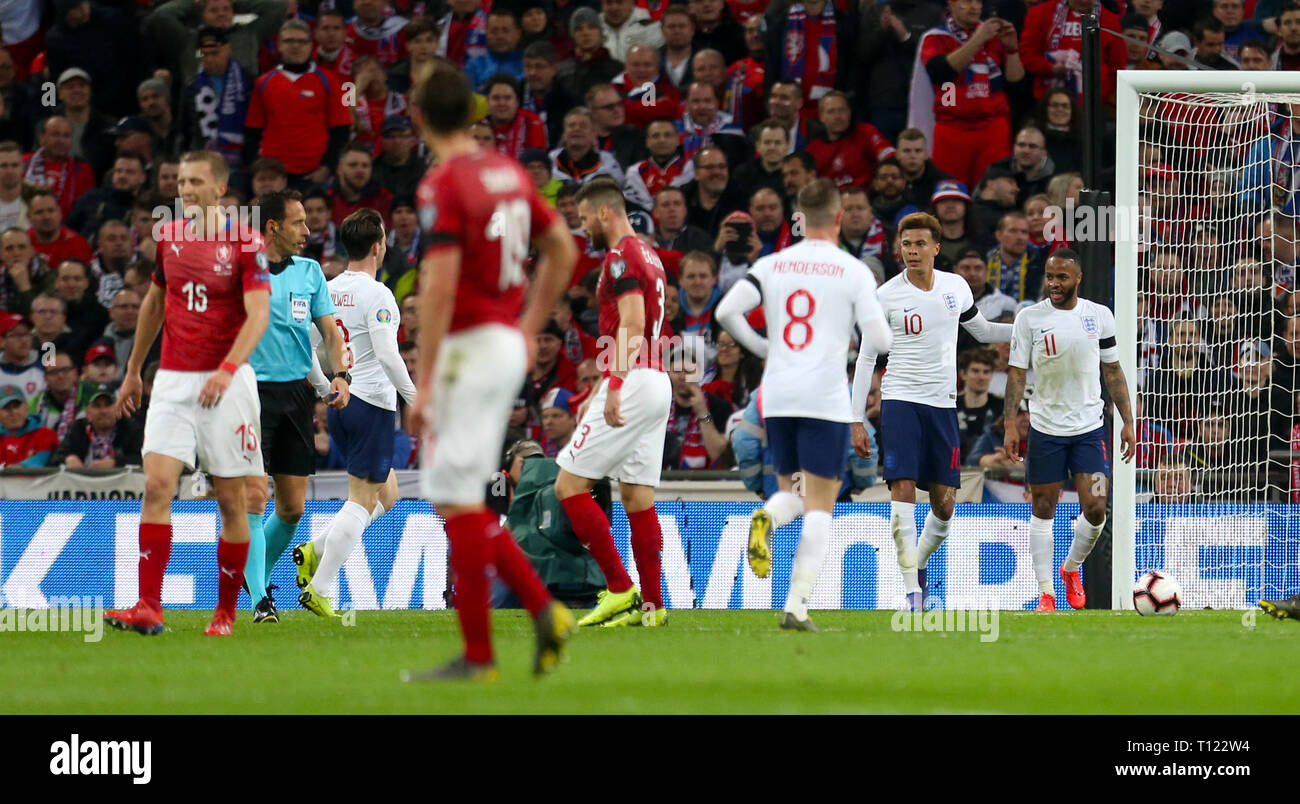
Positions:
{"x": 73, "y": 72}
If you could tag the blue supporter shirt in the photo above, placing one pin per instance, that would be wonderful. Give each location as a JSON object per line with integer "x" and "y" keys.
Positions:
{"x": 299, "y": 296}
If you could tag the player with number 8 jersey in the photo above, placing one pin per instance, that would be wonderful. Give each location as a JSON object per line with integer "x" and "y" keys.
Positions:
{"x": 813, "y": 294}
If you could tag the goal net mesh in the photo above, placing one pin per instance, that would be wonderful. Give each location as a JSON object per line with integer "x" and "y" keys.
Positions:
{"x": 1217, "y": 343}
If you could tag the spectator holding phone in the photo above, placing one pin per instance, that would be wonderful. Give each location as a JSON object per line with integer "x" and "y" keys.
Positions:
{"x": 737, "y": 246}
{"x": 696, "y": 418}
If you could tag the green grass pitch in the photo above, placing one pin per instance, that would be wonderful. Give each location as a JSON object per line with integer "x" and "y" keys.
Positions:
{"x": 707, "y": 662}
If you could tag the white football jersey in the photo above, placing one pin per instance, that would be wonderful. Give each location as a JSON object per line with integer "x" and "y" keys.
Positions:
{"x": 923, "y": 361}
{"x": 1065, "y": 348}
{"x": 366, "y": 310}
{"x": 813, "y": 295}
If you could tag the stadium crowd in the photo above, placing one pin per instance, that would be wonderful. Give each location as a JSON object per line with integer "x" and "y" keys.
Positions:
{"x": 712, "y": 114}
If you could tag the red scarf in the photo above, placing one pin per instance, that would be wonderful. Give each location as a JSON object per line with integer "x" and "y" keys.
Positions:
{"x": 817, "y": 77}
{"x": 510, "y": 136}
{"x": 694, "y": 454}
{"x": 55, "y": 175}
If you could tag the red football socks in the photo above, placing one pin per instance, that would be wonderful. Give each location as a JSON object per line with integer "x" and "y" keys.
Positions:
{"x": 231, "y": 558}
{"x": 592, "y": 528}
{"x": 467, "y": 537}
{"x": 155, "y": 549}
{"x": 647, "y": 541}
{"x": 517, "y": 571}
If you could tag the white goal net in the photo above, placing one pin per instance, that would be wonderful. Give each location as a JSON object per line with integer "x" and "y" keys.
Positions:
{"x": 1205, "y": 294}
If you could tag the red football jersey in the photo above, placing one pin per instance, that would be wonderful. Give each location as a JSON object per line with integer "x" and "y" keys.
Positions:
{"x": 67, "y": 244}
{"x": 852, "y": 159}
{"x": 633, "y": 267}
{"x": 205, "y": 282}
{"x": 295, "y": 114}
{"x": 485, "y": 204}
{"x": 979, "y": 91}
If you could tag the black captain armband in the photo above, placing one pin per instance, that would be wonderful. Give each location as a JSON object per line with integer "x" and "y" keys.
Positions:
{"x": 1107, "y": 343}
{"x": 626, "y": 284}
{"x": 969, "y": 313}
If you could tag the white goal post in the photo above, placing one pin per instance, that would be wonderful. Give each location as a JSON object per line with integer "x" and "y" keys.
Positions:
{"x": 1200, "y": 91}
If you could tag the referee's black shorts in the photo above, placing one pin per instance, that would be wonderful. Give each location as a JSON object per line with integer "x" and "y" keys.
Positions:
{"x": 288, "y": 437}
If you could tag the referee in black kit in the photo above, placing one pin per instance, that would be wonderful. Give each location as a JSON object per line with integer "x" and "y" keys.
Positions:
{"x": 283, "y": 363}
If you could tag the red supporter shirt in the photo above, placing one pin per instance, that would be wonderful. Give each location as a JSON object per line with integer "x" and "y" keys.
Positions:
{"x": 387, "y": 40}
{"x": 205, "y": 281}
{"x": 14, "y": 449}
{"x": 586, "y": 261}
{"x": 1037, "y": 40}
{"x": 342, "y": 63}
{"x": 742, "y": 10}
{"x": 380, "y": 201}
{"x": 978, "y": 94}
{"x": 486, "y": 205}
{"x": 852, "y": 158}
{"x": 525, "y": 131}
{"x": 295, "y": 114}
{"x": 69, "y": 179}
{"x": 67, "y": 244}
{"x": 642, "y": 107}
{"x": 633, "y": 267}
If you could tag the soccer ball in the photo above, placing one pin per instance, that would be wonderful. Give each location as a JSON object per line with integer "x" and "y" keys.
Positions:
{"x": 1157, "y": 593}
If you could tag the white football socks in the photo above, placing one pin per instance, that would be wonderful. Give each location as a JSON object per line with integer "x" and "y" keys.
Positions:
{"x": 902, "y": 521}
{"x": 1085, "y": 536}
{"x": 342, "y": 536}
{"x": 377, "y": 511}
{"x": 318, "y": 542}
{"x": 936, "y": 530}
{"x": 784, "y": 507}
{"x": 1040, "y": 550}
{"x": 808, "y": 561}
